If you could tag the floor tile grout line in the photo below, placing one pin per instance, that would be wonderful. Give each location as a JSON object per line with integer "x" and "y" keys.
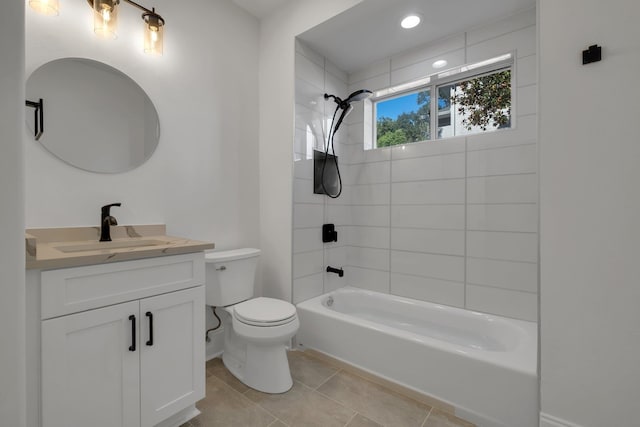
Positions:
{"x": 276, "y": 420}
{"x": 325, "y": 381}
{"x": 329, "y": 397}
{"x": 243, "y": 394}
{"x": 427, "y": 417}
{"x": 355, "y": 414}
{"x": 229, "y": 385}
{"x": 368, "y": 416}
{"x": 265, "y": 410}
{"x": 312, "y": 390}
{"x": 342, "y": 404}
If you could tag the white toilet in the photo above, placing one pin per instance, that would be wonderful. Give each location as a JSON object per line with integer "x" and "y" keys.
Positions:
{"x": 255, "y": 340}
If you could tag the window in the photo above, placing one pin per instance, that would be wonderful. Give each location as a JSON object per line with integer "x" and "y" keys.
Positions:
{"x": 402, "y": 119}
{"x": 471, "y": 99}
{"x": 475, "y": 105}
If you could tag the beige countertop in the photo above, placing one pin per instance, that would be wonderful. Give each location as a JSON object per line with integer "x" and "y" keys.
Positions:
{"x": 48, "y": 248}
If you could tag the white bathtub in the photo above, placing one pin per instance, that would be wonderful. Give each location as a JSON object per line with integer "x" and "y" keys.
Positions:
{"x": 483, "y": 365}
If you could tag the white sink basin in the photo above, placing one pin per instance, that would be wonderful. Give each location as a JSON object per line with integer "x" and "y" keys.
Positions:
{"x": 118, "y": 244}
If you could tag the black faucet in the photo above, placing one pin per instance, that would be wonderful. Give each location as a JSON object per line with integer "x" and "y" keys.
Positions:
{"x": 338, "y": 271}
{"x": 106, "y": 221}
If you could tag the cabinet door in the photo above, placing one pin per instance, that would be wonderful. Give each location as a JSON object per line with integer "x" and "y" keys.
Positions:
{"x": 172, "y": 357}
{"x": 90, "y": 368}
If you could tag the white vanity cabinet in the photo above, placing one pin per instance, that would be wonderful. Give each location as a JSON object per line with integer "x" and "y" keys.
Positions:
{"x": 122, "y": 344}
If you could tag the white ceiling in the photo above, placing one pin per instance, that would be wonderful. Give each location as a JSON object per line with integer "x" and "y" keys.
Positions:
{"x": 371, "y": 30}
{"x": 259, "y": 8}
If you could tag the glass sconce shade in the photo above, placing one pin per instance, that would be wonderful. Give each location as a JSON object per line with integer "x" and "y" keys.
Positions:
{"x": 45, "y": 7}
{"x": 153, "y": 33}
{"x": 105, "y": 18}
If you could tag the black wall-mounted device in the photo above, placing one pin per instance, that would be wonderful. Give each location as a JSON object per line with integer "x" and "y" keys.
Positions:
{"x": 329, "y": 233}
{"x": 338, "y": 271}
{"x": 330, "y": 179}
{"x": 38, "y": 117}
{"x": 593, "y": 54}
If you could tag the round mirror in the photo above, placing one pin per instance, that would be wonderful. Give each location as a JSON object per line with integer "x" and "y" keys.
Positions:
{"x": 95, "y": 117}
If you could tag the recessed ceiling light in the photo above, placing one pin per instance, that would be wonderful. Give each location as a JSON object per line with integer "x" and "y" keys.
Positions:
{"x": 410, "y": 21}
{"x": 439, "y": 63}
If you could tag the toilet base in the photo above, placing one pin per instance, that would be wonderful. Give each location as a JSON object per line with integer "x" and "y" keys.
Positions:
{"x": 259, "y": 364}
{"x": 266, "y": 368}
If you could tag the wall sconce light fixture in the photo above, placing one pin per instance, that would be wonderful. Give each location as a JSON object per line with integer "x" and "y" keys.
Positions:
{"x": 105, "y": 20}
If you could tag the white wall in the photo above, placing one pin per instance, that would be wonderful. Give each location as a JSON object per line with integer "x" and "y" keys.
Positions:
{"x": 277, "y": 36}
{"x": 590, "y": 205}
{"x": 202, "y": 180}
{"x": 12, "y": 310}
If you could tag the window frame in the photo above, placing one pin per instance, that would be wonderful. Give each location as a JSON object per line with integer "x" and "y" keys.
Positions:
{"x": 434, "y": 81}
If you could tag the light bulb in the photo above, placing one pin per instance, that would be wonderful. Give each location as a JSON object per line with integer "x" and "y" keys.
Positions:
{"x": 439, "y": 63}
{"x": 410, "y": 21}
{"x": 45, "y": 7}
{"x": 105, "y": 18}
{"x": 153, "y": 33}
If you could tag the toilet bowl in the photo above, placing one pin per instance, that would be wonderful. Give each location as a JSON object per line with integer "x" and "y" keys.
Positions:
{"x": 257, "y": 330}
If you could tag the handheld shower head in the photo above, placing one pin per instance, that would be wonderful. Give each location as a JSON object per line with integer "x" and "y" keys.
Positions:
{"x": 344, "y": 114}
{"x": 359, "y": 95}
{"x": 356, "y": 96}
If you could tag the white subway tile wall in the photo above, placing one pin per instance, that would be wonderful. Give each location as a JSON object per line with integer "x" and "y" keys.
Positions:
{"x": 452, "y": 221}
{"x": 316, "y": 76}
{"x": 429, "y": 289}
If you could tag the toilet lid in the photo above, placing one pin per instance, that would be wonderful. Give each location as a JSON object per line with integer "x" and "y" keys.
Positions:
{"x": 264, "y": 312}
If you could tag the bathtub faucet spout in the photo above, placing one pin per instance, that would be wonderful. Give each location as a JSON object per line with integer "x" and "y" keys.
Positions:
{"x": 338, "y": 271}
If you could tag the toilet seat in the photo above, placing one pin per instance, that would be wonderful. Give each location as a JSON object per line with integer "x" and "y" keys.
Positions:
{"x": 264, "y": 312}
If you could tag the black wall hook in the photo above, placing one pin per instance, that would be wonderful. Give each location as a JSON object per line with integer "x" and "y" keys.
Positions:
{"x": 593, "y": 54}
{"x": 38, "y": 117}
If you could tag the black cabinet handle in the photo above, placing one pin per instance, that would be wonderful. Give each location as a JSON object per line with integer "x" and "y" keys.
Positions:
{"x": 132, "y": 347}
{"x": 150, "y": 316}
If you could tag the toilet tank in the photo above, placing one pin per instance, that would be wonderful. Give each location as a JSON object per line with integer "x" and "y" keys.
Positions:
{"x": 230, "y": 276}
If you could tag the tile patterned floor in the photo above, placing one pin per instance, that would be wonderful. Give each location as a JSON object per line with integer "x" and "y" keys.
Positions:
{"x": 322, "y": 396}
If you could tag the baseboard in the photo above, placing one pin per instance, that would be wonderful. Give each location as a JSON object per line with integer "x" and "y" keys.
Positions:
{"x": 547, "y": 420}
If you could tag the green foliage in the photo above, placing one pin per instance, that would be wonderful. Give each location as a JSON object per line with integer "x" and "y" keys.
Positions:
{"x": 390, "y": 138}
{"x": 485, "y": 101}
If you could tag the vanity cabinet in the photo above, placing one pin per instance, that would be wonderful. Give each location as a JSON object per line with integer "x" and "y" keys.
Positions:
{"x": 122, "y": 344}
